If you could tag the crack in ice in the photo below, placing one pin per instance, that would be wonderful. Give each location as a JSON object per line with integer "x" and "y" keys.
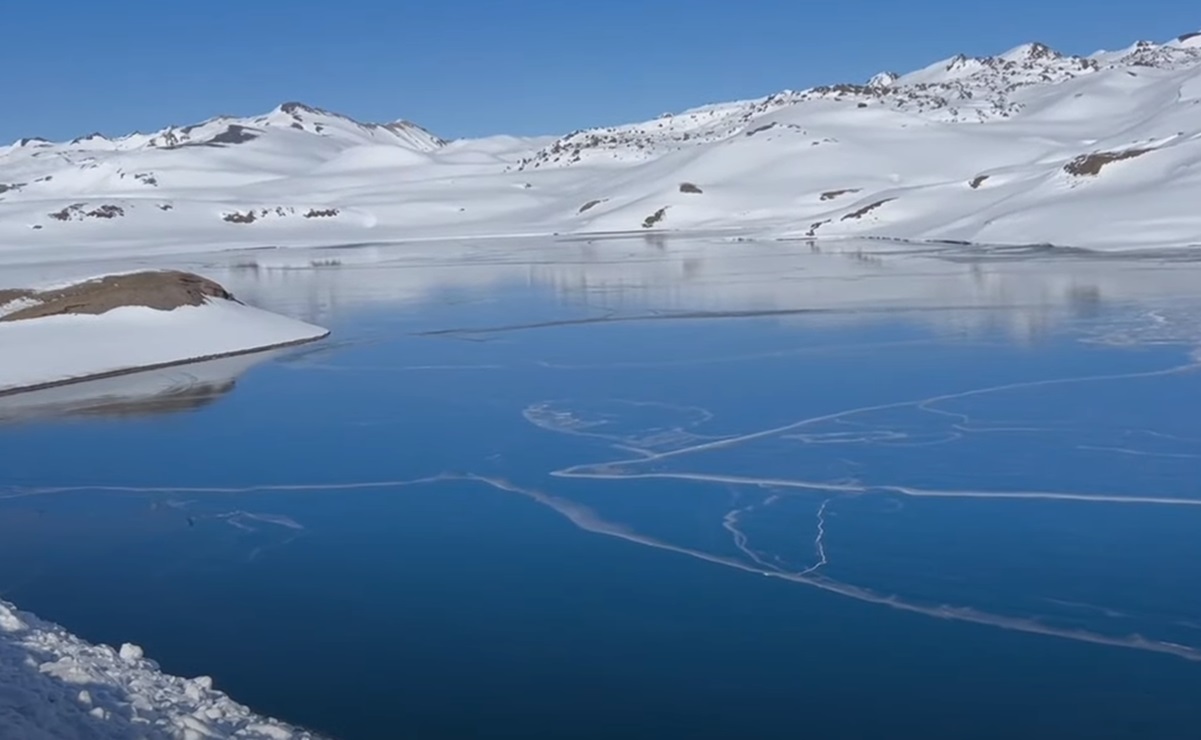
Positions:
{"x": 819, "y": 542}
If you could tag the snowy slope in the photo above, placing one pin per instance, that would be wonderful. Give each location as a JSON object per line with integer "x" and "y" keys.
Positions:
{"x": 1028, "y": 146}
{"x": 55, "y": 686}
{"x": 54, "y": 349}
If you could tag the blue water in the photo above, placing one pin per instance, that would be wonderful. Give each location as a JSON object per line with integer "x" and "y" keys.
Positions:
{"x": 461, "y": 518}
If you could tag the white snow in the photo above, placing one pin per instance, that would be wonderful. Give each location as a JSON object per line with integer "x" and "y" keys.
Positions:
{"x": 58, "y": 348}
{"x": 55, "y": 686}
{"x": 970, "y": 148}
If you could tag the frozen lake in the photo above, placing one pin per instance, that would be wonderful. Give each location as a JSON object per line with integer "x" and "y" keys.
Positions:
{"x": 648, "y": 488}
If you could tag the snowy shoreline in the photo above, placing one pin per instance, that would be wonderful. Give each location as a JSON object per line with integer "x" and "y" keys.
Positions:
{"x": 190, "y": 360}
{"x": 128, "y": 323}
{"x": 56, "y": 686}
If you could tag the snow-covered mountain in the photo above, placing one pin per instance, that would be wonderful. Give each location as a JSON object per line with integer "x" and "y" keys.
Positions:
{"x": 1028, "y": 146}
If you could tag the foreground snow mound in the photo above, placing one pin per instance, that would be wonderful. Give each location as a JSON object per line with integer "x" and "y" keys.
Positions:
{"x": 55, "y": 686}
{"x": 125, "y": 323}
{"x": 1028, "y": 146}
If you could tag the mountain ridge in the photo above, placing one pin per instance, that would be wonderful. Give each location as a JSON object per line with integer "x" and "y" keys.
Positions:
{"x": 1025, "y": 146}
{"x": 1142, "y": 53}
{"x": 296, "y": 115}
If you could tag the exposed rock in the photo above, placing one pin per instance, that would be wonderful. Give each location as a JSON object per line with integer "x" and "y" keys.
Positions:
{"x": 239, "y": 217}
{"x": 321, "y": 213}
{"x": 259, "y": 214}
{"x": 164, "y": 291}
{"x": 78, "y": 212}
{"x": 233, "y": 135}
{"x": 9, "y": 295}
{"x": 1092, "y": 164}
{"x": 654, "y": 218}
{"x": 866, "y": 209}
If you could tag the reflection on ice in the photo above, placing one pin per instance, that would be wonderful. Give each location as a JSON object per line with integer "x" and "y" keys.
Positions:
{"x": 1025, "y": 291}
{"x": 153, "y": 392}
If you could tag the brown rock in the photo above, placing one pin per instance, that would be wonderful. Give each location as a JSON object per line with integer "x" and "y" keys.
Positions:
{"x": 162, "y": 290}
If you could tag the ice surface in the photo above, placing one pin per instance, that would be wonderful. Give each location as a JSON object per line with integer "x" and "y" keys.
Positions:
{"x": 781, "y": 499}
{"x": 799, "y": 490}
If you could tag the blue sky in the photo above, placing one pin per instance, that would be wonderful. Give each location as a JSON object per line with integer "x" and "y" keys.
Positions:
{"x": 475, "y": 67}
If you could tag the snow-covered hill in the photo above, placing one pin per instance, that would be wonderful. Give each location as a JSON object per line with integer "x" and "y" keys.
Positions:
{"x": 1029, "y": 146}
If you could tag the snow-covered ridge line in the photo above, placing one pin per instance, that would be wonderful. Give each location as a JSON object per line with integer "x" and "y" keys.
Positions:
{"x": 959, "y": 89}
{"x": 232, "y": 130}
{"x": 1028, "y": 146}
{"x": 57, "y": 687}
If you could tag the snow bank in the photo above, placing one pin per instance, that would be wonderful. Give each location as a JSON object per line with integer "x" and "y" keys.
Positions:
{"x": 55, "y": 686}
{"x": 58, "y": 349}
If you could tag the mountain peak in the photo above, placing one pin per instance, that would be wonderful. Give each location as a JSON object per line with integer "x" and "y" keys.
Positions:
{"x": 294, "y": 108}
{"x": 225, "y": 131}
{"x": 1031, "y": 52}
{"x": 305, "y": 117}
{"x": 883, "y": 79}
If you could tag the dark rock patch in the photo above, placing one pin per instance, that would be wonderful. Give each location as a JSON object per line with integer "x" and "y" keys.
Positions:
{"x": 654, "y": 218}
{"x": 813, "y": 227}
{"x": 866, "y": 209}
{"x": 163, "y": 291}
{"x": 66, "y": 213}
{"x": 234, "y": 134}
{"x": 106, "y": 212}
{"x": 761, "y": 129}
{"x": 1091, "y": 164}
{"x": 76, "y": 212}
{"x": 238, "y": 217}
{"x": 321, "y": 213}
{"x": 9, "y": 295}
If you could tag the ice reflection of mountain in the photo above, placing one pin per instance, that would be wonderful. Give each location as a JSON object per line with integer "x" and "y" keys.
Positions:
{"x": 1024, "y": 293}
{"x": 841, "y": 282}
